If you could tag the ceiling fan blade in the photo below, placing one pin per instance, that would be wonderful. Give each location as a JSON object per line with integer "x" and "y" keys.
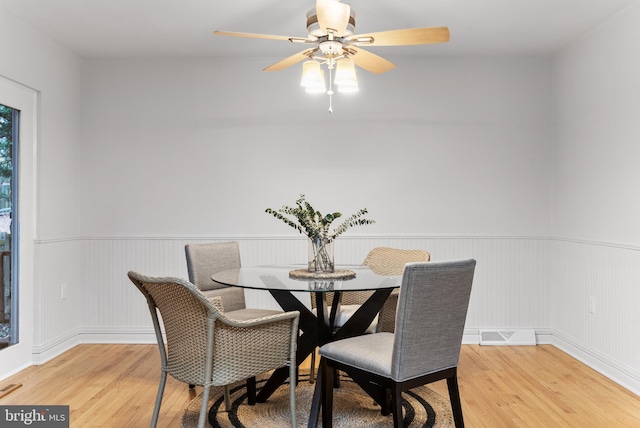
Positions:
{"x": 288, "y": 62}
{"x": 406, "y": 37}
{"x": 370, "y": 61}
{"x": 257, "y": 36}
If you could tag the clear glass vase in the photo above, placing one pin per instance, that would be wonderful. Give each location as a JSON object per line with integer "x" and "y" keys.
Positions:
{"x": 320, "y": 255}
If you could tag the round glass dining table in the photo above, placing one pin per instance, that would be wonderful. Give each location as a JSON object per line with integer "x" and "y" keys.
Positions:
{"x": 317, "y": 328}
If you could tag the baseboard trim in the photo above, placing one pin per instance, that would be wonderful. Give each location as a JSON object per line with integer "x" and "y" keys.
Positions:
{"x": 124, "y": 335}
{"x": 48, "y": 351}
{"x": 14, "y": 371}
{"x": 471, "y": 337}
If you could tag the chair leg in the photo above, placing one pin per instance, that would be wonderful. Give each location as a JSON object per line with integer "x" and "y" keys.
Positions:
{"x": 312, "y": 370}
{"x": 396, "y": 404}
{"x": 316, "y": 403}
{"x": 292, "y": 393}
{"x": 454, "y": 397}
{"x": 156, "y": 409}
{"x": 227, "y": 398}
{"x": 204, "y": 406}
{"x": 327, "y": 394}
{"x": 251, "y": 391}
{"x": 385, "y": 406}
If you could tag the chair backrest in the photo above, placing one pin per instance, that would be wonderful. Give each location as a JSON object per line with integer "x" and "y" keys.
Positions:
{"x": 185, "y": 314}
{"x": 203, "y": 260}
{"x": 391, "y": 261}
{"x": 432, "y": 309}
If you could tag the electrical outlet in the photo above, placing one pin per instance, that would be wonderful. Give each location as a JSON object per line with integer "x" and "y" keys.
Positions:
{"x": 592, "y": 305}
{"x": 63, "y": 291}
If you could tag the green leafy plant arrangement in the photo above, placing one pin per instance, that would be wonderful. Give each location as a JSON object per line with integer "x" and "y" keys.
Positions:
{"x": 308, "y": 221}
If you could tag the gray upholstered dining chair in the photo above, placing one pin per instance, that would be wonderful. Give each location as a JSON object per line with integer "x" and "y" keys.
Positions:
{"x": 205, "y": 347}
{"x": 382, "y": 261}
{"x": 425, "y": 347}
{"x": 203, "y": 260}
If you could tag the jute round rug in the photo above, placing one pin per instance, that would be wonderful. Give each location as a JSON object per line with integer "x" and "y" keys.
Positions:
{"x": 352, "y": 407}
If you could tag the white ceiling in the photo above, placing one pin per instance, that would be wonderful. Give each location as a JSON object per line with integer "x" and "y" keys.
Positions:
{"x": 150, "y": 28}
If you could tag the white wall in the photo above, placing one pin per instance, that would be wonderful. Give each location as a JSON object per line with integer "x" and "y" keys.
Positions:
{"x": 37, "y": 62}
{"x": 597, "y": 105}
{"x": 190, "y": 147}
{"x": 596, "y": 261}
{"x": 53, "y": 74}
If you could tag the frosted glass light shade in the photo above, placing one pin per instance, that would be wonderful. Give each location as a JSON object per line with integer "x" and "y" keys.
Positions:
{"x": 346, "y": 78}
{"x": 312, "y": 77}
{"x": 345, "y": 71}
{"x": 318, "y": 86}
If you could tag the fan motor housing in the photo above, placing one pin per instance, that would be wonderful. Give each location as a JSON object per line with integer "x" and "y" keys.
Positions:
{"x": 313, "y": 27}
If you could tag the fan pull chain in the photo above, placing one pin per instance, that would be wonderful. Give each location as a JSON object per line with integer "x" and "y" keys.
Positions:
{"x": 330, "y": 92}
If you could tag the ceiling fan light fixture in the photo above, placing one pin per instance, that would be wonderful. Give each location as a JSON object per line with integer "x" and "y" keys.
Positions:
{"x": 330, "y": 28}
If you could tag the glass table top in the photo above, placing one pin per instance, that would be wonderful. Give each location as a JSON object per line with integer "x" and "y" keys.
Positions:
{"x": 277, "y": 278}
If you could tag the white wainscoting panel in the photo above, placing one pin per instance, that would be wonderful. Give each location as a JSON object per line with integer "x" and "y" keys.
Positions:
{"x": 595, "y": 303}
{"x": 59, "y": 292}
{"x": 583, "y": 297}
{"x": 509, "y": 287}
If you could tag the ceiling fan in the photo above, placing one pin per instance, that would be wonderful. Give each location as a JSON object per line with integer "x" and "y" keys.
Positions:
{"x": 330, "y": 34}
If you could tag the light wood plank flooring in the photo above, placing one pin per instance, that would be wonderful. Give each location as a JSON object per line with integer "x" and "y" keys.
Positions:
{"x": 534, "y": 386}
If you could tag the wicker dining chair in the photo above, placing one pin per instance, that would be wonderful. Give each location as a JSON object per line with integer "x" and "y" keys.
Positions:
{"x": 382, "y": 261}
{"x": 205, "y": 347}
{"x": 425, "y": 347}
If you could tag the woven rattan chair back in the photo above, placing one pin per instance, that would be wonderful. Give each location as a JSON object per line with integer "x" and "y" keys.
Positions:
{"x": 391, "y": 261}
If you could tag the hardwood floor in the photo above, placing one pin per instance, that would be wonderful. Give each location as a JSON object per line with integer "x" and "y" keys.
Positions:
{"x": 533, "y": 386}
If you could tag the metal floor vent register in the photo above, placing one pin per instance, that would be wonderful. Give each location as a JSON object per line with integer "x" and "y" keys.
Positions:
{"x": 507, "y": 337}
